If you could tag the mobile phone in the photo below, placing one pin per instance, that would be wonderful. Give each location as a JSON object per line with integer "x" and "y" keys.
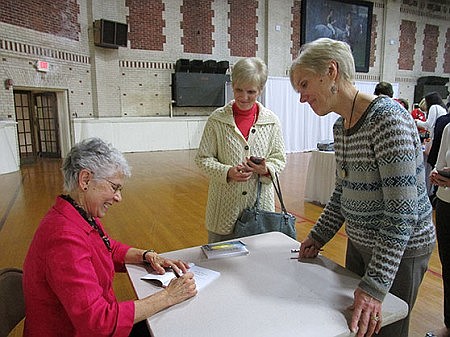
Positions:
{"x": 256, "y": 160}
{"x": 443, "y": 173}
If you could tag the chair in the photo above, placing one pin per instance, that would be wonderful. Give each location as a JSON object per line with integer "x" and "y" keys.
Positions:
{"x": 12, "y": 302}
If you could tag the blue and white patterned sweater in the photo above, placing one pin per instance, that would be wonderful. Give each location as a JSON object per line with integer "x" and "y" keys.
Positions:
{"x": 383, "y": 197}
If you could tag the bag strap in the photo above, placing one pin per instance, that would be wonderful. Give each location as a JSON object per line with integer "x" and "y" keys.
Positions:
{"x": 258, "y": 192}
{"x": 277, "y": 188}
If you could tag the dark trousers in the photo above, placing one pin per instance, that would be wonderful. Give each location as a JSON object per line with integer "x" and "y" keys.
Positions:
{"x": 140, "y": 330}
{"x": 443, "y": 238}
{"x": 405, "y": 286}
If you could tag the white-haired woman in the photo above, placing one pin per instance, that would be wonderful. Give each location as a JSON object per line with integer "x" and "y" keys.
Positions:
{"x": 241, "y": 129}
{"x": 380, "y": 190}
{"x": 70, "y": 265}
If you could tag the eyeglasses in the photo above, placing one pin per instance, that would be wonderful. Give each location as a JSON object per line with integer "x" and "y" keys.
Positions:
{"x": 116, "y": 187}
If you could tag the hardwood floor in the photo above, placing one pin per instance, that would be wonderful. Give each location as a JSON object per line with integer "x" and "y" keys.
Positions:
{"x": 163, "y": 208}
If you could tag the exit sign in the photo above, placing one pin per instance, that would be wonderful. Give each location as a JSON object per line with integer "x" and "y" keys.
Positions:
{"x": 42, "y": 66}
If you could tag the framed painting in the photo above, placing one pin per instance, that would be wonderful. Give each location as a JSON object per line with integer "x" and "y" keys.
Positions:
{"x": 344, "y": 20}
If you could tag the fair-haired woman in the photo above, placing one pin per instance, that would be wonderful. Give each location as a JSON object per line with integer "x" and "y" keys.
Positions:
{"x": 232, "y": 134}
{"x": 70, "y": 265}
{"x": 380, "y": 191}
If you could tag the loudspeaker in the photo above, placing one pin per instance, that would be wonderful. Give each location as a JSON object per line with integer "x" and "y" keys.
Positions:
{"x": 198, "y": 89}
{"x": 432, "y": 80}
{"x": 421, "y": 90}
{"x": 222, "y": 67}
{"x": 110, "y": 34}
{"x": 196, "y": 66}
{"x": 210, "y": 66}
{"x": 182, "y": 65}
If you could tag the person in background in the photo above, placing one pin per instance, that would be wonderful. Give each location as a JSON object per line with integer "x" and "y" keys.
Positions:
{"x": 419, "y": 113}
{"x": 435, "y": 108}
{"x": 384, "y": 88}
{"x": 70, "y": 265}
{"x": 442, "y": 225}
{"x": 233, "y": 133}
{"x": 380, "y": 191}
{"x": 403, "y": 102}
{"x": 439, "y": 126}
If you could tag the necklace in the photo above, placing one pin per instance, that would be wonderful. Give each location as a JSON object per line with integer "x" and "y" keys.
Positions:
{"x": 344, "y": 172}
{"x": 90, "y": 221}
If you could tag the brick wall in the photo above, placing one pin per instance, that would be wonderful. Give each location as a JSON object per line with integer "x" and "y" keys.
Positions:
{"x": 430, "y": 48}
{"x": 447, "y": 52}
{"x": 146, "y": 24}
{"x": 60, "y": 18}
{"x": 407, "y": 44}
{"x": 197, "y": 26}
{"x": 296, "y": 28}
{"x": 243, "y": 27}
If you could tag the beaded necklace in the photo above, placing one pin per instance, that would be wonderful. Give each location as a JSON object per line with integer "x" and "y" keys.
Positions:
{"x": 343, "y": 172}
{"x": 89, "y": 220}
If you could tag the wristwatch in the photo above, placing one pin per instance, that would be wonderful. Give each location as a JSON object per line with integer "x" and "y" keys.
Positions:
{"x": 145, "y": 253}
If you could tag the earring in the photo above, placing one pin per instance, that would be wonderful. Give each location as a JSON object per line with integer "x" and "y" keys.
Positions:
{"x": 334, "y": 89}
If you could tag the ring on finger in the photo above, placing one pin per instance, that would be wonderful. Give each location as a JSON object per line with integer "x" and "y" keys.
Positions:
{"x": 375, "y": 318}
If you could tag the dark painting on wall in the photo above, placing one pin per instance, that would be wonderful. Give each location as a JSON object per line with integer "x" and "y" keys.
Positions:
{"x": 344, "y": 20}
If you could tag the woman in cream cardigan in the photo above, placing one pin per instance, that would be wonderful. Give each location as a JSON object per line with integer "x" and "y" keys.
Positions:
{"x": 241, "y": 129}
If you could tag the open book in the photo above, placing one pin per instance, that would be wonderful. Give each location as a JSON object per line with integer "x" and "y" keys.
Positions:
{"x": 202, "y": 277}
{"x": 224, "y": 249}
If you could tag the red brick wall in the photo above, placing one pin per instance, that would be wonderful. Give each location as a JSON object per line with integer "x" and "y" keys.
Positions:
{"x": 59, "y": 18}
{"x": 447, "y": 52}
{"x": 296, "y": 28}
{"x": 430, "y": 47}
{"x": 373, "y": 37}
{"x": 146, "y": 24}
{"x": 242, "y": 29}
{"x": 197, "y": 26}
{"x": 408, "y": 30}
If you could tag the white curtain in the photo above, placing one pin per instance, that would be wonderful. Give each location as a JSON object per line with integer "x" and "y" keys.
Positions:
{"x": 302, "y": 128}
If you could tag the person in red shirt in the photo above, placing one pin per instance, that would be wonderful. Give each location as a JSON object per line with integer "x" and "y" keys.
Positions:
{"x": 70, "y": 265}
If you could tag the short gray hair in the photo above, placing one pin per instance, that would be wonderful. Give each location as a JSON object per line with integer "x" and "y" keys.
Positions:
{"x": 250, "y": 71}
{"x": 95, "y": 155}
{"x": 315, "y": 56}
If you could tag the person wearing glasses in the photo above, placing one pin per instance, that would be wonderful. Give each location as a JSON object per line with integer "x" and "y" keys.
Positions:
{"x": 70, "y": 264}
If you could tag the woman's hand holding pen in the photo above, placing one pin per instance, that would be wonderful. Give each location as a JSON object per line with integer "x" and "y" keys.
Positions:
{"x": 181, "y": 288}
{"x": 309, "y": 248}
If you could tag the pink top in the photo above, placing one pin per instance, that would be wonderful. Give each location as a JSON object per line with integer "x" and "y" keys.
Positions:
{"x": 68, "y": 279}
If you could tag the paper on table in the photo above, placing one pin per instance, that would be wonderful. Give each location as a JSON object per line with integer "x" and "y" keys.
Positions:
{"x": 202, "y": 277}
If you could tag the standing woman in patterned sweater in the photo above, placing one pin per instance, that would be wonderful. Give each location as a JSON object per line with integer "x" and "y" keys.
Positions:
{"x": 232, "y": 134}
{"x": 380, "y": 191}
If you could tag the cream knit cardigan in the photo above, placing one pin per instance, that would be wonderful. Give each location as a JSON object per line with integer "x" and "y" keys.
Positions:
{"x": 222, "y": 146}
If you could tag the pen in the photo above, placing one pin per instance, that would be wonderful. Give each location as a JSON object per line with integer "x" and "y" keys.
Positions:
{"x": 176, "y": 273}
{"x": 298, "y": 250}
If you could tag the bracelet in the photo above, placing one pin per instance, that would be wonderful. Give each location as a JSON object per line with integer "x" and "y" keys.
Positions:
{"x": 145, "y": 253}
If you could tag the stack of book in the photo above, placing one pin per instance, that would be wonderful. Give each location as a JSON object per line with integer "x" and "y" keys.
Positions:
{"x": 224, "y": 249}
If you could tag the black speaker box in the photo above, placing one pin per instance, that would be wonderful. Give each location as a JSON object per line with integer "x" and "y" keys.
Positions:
{"x": 198, "y": 89}
{"x": 421, "y": 90}
{"x": 110, "y": 34}
{"x": 432, "y": 80}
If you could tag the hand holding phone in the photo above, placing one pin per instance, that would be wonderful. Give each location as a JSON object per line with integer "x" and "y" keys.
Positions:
{"x": 445, "y": 173}
{"x": 256, "y": 160}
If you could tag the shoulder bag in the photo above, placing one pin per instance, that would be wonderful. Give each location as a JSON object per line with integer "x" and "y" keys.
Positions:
{"x": 254, "y": 220}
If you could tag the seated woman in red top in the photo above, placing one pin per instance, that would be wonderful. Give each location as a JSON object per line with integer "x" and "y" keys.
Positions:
{"x": 70, "y": 265}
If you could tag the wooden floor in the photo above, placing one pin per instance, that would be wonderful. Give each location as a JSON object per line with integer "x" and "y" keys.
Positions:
{"x": 163, "y": 208}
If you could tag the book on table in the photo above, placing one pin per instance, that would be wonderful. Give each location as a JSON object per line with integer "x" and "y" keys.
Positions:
{"x": 224, "y": 249}
{"x": 202, "y": 276}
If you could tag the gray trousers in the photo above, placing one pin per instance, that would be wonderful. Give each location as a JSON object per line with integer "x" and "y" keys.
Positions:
{"x": 405, "y": 286}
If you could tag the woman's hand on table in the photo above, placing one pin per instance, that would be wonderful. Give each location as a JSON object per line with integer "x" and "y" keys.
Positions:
{"x": 366, "y": 317}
